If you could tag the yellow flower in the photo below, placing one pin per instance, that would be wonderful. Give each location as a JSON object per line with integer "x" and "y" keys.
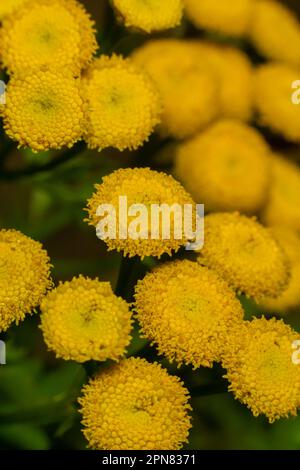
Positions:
{"x": 284, "y": 199}
{"x": 260, "y": 369}
{"x": 273, "y": 93}
{"x": 290, "y": 298}
{"x": 140, "y": 186}
{"x": 48, "y": 35}
{"x": 24, "y": 276}
{"x": 235, "y": 89}
{"x": 43, "y": 111}
{"x": 121, "y": 102}
{"x": 83, "y": 320}
{"x": 188, "y": 312}
{"x": 7, "y": 7}
{"x": 135, "y": 405}
{"x": 230, "y": 17}
{"x": 275, "y": 31}
{"x": 245, "y": 254}
{"x": 187, "y": 85}
{"x": 227, "y": 167}
{"x": 149, "y": 16}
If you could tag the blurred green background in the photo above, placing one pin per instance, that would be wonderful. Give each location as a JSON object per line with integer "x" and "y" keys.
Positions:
{"x": 37, "y": 392}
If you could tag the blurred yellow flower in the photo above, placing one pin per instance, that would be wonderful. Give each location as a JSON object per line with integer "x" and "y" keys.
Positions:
{"x": 140, "y": 186}
{"x": 83, "y": 320}
{"x": 245, "y": 254}
{"x": 273, "y": 99}
{"x": 149, "y": 16}
{"x": 24, "y": 276}
{"x": 7, "y": 7}
{"x": 135, "y": 406}
{"x": 235, "y": 89}
{"x": 43, "y": 111}
{"x": 283, "y": 206}
{"x": 260, "y": 369}
{"x": 290, "y": 298}
{"x": 188, "y": 312}
{"x": 122, "y": 105}
{"x": 275, "y": 31}
{"x": 230, "y": 17}
{"x": 48, "y": 35}
{"x": 187, "y": 85}
{"x": 227, "y": 167}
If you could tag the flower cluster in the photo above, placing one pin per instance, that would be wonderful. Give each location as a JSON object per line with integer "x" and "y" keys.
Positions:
{"x": 214, "y": 113}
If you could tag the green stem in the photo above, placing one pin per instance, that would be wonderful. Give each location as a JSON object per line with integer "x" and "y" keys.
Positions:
{"x": 34, "y": 169}
{"x": 129, "y": 273}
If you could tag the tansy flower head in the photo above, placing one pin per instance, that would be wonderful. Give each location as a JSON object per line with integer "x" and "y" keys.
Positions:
{"x": 139, "y": 186}
{"x": 48, "y": 35}
{"x": 245, "y": 254}
{"x": 135, "y": 405}
{"x": 122, "y": 104}
{"x": 24, "y": 276}
{"x": 230, "y": 17}
{"x": 83, "y": 320}
{"x": 290, "y": 298}
{"x": 187, "y": 85}
{"x": 275, "y": 31}
{"x": 152, "y": 15}
{"x": 284, "y": 198}
{"x": 188, "y": 312}
{"x": 43, "y": 111}
{"x": 227, "y": 167}
{"x": 261, "y": 371}
{"x": 235, "y": 89}
{"x": 273, "y": 91}
{"x": 7, "y": 7}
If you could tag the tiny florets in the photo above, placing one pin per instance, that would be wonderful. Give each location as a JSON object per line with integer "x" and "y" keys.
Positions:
{"x": 43, "y": 111}
{"x": 146, "y": 187}
{"x": 261, "y": 371}
{"x": 122, "y": 105}
{"x": 135, "y": 406}
{"x": 188, "y": 312}
{"x": 24, "y": 276}
{"x": 83, "y": 320}
{"x": 246, "y": 254}
{"x": 48, "y": 35}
